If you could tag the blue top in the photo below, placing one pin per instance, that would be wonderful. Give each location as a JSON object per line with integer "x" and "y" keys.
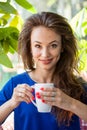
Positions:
{"x": 26, "y": 116}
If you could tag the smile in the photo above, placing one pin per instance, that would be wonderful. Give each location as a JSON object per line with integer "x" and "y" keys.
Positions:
{"x": 47, "y": 61}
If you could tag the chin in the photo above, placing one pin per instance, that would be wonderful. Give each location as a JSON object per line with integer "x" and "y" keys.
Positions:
{"x": 47, "y": 68}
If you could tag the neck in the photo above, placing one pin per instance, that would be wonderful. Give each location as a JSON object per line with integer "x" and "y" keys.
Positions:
{"x": 41, "y": 76}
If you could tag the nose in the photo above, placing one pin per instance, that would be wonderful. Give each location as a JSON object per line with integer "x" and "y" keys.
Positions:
{"x": 45, "y": 52}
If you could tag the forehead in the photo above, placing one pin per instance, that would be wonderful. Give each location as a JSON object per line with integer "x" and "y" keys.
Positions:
{"x": 44, "y": 34}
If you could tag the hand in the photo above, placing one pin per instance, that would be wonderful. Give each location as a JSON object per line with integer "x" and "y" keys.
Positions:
{"x": 55, "y": 97}
{"x": 22, "y": 93}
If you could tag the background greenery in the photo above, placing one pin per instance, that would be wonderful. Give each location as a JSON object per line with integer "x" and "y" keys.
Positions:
{"x": 10, "y": 26}
{"x": 79, "y": 25}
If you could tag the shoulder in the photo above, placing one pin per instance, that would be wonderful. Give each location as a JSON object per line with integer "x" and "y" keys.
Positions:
{"x": 21, "y": 78}
{"x": 17, "y": 79}
{"x": 7, "y": 89}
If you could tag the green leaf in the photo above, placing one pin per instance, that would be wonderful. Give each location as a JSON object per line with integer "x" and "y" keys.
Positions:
{"x": 2, "y": 36}
{"x": 9, "y": 1}
{"x": 6, "y": 7}
{"x": 7, "y": 32}
{"x": 4, "y": 19}
{"x": 11, "y": 50}
{"x": 3, "y": 22}
{"x": 85, "y": 30}
{"x": 25, "y": 4}
{"x": 17, "y": 22}
{"x": 13, "y": 43}
{"x": 5, "y": 46}
{"x": 4, "y": 60}
{"x": 9, "y": 35}
{"x": 84, "y": 23}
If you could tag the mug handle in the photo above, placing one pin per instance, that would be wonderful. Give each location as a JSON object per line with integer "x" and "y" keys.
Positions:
{"x": 33, "y": 103}
{"x": 32, "y": 100}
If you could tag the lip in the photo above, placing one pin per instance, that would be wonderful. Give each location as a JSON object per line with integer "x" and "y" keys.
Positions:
{"x": 46, "y": 61}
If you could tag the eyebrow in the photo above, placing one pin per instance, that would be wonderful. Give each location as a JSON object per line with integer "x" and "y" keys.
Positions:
{"x": 49, "y": 43}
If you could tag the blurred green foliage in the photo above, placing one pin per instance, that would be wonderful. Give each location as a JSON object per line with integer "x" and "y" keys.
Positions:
{"x": 79, "y": 24}
{"x": 10, "y": 26}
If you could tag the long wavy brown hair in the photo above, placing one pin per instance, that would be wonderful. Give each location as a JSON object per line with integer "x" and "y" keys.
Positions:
{"x": 66, "y": 66}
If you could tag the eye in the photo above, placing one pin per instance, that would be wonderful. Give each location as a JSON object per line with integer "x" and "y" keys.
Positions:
{"x": 37, "y": 46}
{"x": 54, "y": 45}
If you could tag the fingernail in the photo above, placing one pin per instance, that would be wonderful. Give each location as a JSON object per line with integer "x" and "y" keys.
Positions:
{"x": 43, "y": 100}
{"x": 37, "y": 93}
{"x": 41, "y": 88}
{"x": 33, "y": 98}
{"x": 38, "y": 96}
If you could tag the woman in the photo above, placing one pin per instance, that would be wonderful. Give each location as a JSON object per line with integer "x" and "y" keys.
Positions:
{"x": 49, "y": 52}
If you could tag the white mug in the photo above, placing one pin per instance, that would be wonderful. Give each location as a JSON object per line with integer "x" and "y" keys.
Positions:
{"x": 41, "y": 106}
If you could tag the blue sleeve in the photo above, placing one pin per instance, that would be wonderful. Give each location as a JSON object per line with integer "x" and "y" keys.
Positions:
{"x": 6, "y": 92}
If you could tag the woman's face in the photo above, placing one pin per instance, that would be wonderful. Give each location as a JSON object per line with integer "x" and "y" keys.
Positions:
{"x": 46, "y": 47}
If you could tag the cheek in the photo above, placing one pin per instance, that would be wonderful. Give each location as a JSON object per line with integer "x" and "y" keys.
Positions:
{"x": 57, "y": 54}
{"x": 35, "y": 53}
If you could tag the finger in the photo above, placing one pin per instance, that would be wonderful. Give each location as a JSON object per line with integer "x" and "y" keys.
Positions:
{"x": 23, "y": 92}
{"x": 22, "y": 95}
{"x": 49, "y": 94}
{"x": 49, "y": 99}
{"x": 25, "y": 87}
{"x": 50, "y": 103}
{"x": 22, "y": 98}
{"x": 49, "y": 89}
{"x": 26, "y": 97}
